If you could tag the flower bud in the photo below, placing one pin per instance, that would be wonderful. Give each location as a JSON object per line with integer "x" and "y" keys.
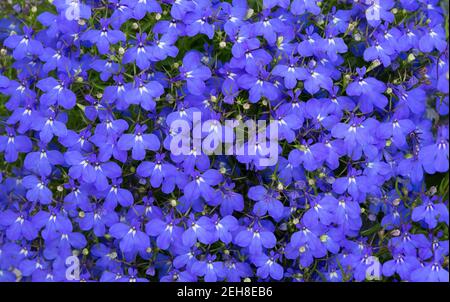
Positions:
{"x": 395, "y": 233}
{"x": 249, "y": 14}
{"x": 223, "y": 44}
{"x": 173, "y": 203}
{"x": 396, "y": 201}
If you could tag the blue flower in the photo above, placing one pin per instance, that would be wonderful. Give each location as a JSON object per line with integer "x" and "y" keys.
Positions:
{"x": 194, "y": 72}
{"x": 104, "y": 37}
{"x": 12, "y": 144}
{"x": 132, "y": 239}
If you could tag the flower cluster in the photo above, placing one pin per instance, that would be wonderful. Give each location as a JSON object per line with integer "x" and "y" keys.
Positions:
{"x": 359, "y": 90}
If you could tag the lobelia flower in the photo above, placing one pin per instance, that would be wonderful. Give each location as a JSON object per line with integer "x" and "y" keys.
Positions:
{"x": 37, "y": 189}
{"x": 163, "y": 46}
{"x": 230, "y": 200}
{"x": 12, "y": 144}
{"x": 54, "y": 59}
{"x": 287, "y": 121}
{"x": 355, "y": 184}
{"x": 116, "y": 194}
{"x": 104, "y": 37}
{"x": 369, "y": 90}
{"x": 397, "y": 129}
{"x": 132, "y": 239}
{"x": 332, "y": 45}
{"x": 224, "y": 228}
{"x": 268, "y": 27}
{"x": 357, "y": 137}
{"x": 166, "y": 231}
{"x": 140, "y": 53}
{"x": 89, "y": 169}
{"x": 178, "y": 276}
{"x": 431, "y": 212}
{"x": 259, "y": 85}
{"x": 267, "y": 266}
{"x": 98, "y": 220}
{"x": 201, "y": 230}
{"x": 379, "y": 10}
{"x": 121, "y": 12}
{"x": 41, "y": 162}
{"x": 50, "y": 124}
{"x": 299, "y": 7}
{"x": 194, "y": 73}
{"x": 290, "y": 73}
{"x": 435, "y": 157}
{"x": 309, "y": 156}
{"x": 106, "y": 68}
{"x": 138, "y": 142}
{"x": 434, "y": 38}
{"x": 197, "y": 21}
{"x": 75, "y": 141}
{"x": 201, "y": 185}
{"x": 266, "y": 202}
{"x": 24, "y": 45}
{"x": 311, "y": 43}
{"x": 210, "y": 269}
{"x": 381, "y": 50}
{"x": 255, "y": 239}
{"x": 17, "y": 225}
{"x": 315, "y": 76}
{"x": 57, "y": 92}
{"x": 142, "y": 7}
{"x": 402, "y": 265}
{"x": 144, "y": 92}
{"x": 430, "y": 272}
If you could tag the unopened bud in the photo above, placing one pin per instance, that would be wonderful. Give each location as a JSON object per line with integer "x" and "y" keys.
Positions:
{"x": 223, "y": 44}
{"x": 249, "y": 14}
{"x": 395, "y": 233}
{"x": 173, "y": 202}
